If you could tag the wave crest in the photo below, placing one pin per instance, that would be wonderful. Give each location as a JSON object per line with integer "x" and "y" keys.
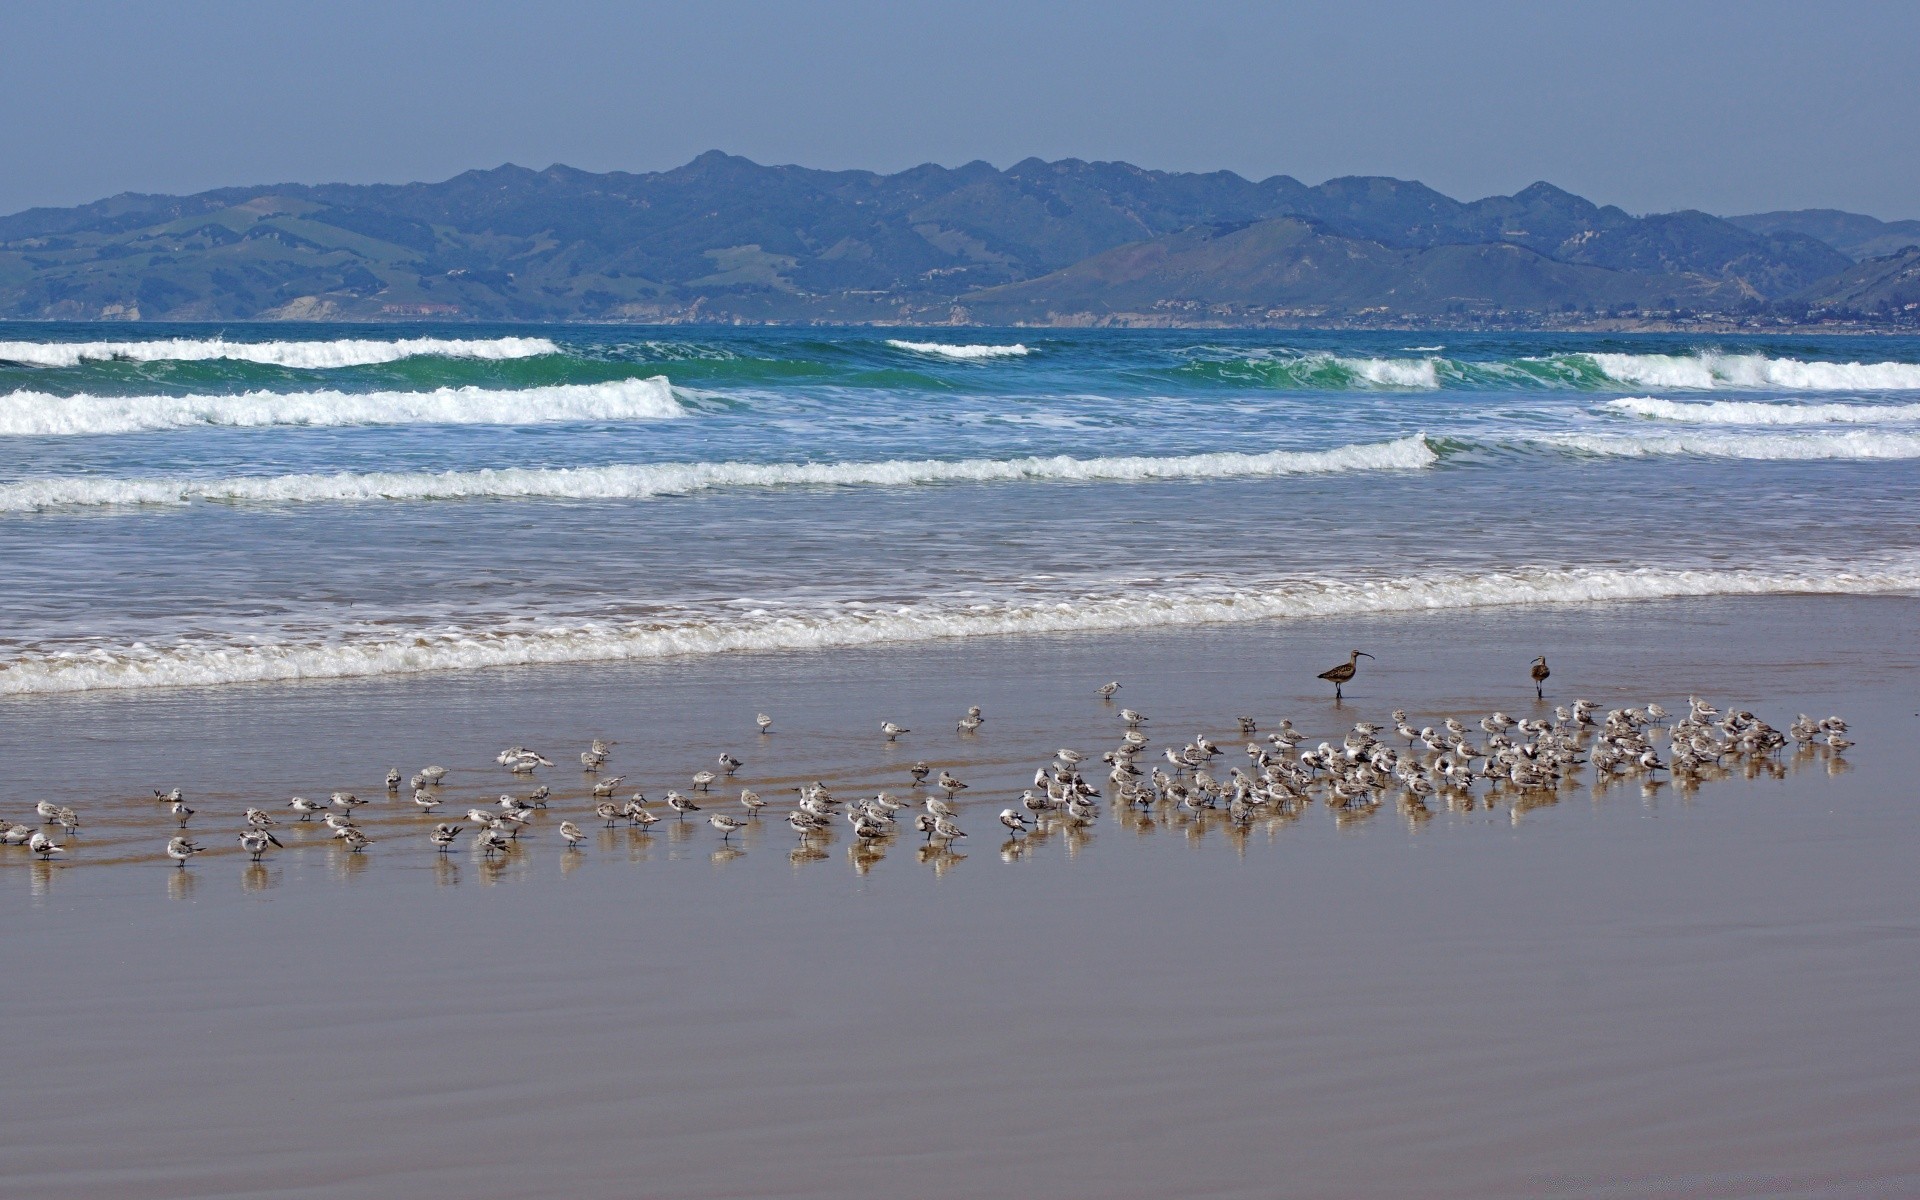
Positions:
{"x": 209, "y": 663}
{"x": 640, "y": 482}
{"x": 309, "y": 356}
{"x": 38, "y": 414}
{"x": 1707, "y": 371}
{"x": 942, "y": 350}
{"x": 1748, "y": 412}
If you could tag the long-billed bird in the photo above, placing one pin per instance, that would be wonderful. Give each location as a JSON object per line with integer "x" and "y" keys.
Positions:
{"x": 1343, "y": 674}
{"x": 1540, "y": 673}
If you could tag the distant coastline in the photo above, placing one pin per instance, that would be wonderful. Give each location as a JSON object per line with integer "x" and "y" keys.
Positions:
{"x": 1068, "y": 244}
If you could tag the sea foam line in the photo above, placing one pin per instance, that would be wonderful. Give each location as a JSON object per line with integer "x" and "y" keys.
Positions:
{"x": 643, "y": 481}
{"x": 942, "y": 350}
{"x": 343, "y": 352}
{"x": 203, "y": 663}
{"x": 39, "y": 414}
{"x": 1848, "y": 445}
{"x": 1749, "y": 412}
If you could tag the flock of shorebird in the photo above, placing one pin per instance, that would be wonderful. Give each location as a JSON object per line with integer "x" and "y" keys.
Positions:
{"x": 1368, "y": 766}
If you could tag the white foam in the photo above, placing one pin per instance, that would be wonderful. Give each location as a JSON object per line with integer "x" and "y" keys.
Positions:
{"x": 945, "y": 351}
{"x": 1421, "y": 373}
{"x": 1852, "y": 444}
{"x": 639, "y": 482}
{"x": 344, "y": 352}
{"x": 1749, "y": 412}
{"x": 1708, "y": 370}
{"x": 39, "y": 414}
{"x": 210, "y": 663}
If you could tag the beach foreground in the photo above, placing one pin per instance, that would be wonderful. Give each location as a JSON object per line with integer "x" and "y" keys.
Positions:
{"x": 1625, "y": 992}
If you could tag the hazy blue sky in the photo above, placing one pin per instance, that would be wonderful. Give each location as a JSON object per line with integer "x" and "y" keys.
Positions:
{"x": 1725, "y": 107}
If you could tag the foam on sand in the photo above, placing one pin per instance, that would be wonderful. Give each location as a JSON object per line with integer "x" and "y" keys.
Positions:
{"x": 313, "y": 356}
{"x": 204, "y": 662}
{"x": 643, "y": 481}
{"x": 942, "y": 350}
{"x": 1749, "y": 412}
{"x": 39, "y": 414}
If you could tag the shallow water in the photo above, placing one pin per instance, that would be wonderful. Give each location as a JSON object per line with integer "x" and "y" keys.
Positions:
{"x": 1624, "y": 993}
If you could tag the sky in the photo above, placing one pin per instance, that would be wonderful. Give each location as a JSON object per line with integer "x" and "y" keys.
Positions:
{"x": 1726, "y": 107}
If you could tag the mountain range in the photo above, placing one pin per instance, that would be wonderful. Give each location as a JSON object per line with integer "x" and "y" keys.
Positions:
{"x": 1068, "y": 242}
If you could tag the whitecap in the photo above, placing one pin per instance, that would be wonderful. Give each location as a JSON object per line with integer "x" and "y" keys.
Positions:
{"x": 643, "y": 481}
{"x": 39, "y": 414}
{"x": 1749, "y": 412}
{"x": 942, "y": 350}
{"x": 304, "y": 355}
{"x": 1711, "y": 370}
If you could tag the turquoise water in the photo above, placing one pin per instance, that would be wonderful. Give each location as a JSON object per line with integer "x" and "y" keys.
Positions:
{"x": 211, "y": 506}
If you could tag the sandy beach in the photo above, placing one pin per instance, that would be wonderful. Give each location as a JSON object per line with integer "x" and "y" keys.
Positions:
{"x": 1623, "y": 992}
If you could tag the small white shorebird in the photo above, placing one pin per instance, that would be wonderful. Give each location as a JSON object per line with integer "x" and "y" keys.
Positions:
{"x": 703, "y": 780}
{"x": 1133, "y": 719}
{"x": 305, "y": 807}
{"x": 1106, "y": 690}
{"x": 1013, "y": 820}
{"x": 393, "y": 779}
{"x": 433, "y": 775}
{"x": 180, "y": 812}
{"x": 939, "y": 807}
{"x": 258, "y": 819}
{"x": 443, "y": 835}
{"x": 946, "y": 830}
{"x": 608, "y": 812}
{"x": 891, "y": 730}
{"x": 256, "y": 841}
{"x": 571, "y": 832}
{"x": 424, "y": 800}
{"x": 751, "y": 801}
{"x": 44, "y": 846}
{"x": 728, "y": 764}
{"x": 725, "y": 824}
{"x": 764, "y": 721}
{"x": 637, "y": 813}
{"x": 681, "y": 805}
{"x": 919, "y": 771}
{"x": 949, "y": 784}
{"x": 181, "y": 849}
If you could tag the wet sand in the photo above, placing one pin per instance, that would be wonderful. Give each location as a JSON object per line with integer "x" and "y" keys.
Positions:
{"x": 1619, "y": 994}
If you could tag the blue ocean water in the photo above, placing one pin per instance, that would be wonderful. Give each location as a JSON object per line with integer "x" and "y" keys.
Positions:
{"x": 192, "y": 506}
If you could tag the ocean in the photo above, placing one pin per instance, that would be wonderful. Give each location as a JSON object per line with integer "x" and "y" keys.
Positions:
{"x": 201, "y": 507}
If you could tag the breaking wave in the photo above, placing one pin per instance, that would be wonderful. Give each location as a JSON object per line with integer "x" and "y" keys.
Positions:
{"x": 39, "y": 414}
{"x": 205, "y": 662}
{"x": 1708, "y": 370}
{"x": 942, "y": 350}
{"x": 315, "y": 356}
{"x": 1324, "y": 372}
{"x": 1747, "y": 412}
{"x": 1702, "y": 371}
{"x": 639, "y": 482}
